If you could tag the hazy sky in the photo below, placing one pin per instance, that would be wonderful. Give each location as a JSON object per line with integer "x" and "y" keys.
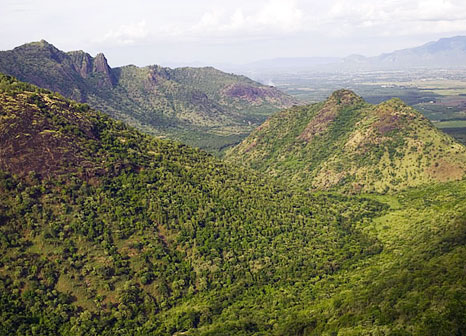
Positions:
{"x": 234, "y": 31}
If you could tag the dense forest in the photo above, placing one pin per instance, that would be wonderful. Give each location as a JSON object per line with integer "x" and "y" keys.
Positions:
{"x": 108, "y": 231}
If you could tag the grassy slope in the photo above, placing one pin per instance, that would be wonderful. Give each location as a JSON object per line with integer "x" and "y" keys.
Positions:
{"x": 352, "y": 146}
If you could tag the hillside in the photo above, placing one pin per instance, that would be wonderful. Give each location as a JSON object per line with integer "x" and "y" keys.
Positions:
{"x": 203, "y": 107}
{"x": 105, "y": 230}
{"x": 348, "y": 145}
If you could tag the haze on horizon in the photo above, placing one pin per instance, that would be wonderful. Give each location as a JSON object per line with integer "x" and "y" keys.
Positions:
{"x": 181, "y": 32}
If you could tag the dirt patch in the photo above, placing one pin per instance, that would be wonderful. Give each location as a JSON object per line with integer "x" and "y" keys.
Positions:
{"x": 393, "y": 115}
{"x": 258, "y": 95}
{"x": 446, "y": 171}
{"x": 249, "y": 93}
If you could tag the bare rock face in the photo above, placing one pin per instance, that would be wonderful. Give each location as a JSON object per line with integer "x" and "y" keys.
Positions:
{"x": 88, "y": 67}
{"x": 82, "y": 62}
{"x": 245, "y": 92}
{"x": 256, "y": 95}
{"x": 100, "y": 66}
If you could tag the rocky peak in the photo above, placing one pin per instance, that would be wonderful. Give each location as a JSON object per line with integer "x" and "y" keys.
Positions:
{"x": 42, "y": 48}
{"x": 100, "y": 65}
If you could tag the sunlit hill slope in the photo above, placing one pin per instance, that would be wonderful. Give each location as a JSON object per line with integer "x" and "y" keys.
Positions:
{"x": 346, "y": 144}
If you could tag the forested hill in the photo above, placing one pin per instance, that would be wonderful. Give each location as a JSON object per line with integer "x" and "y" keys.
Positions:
{"x": 203, "y": 107}
{"x": 348, "y": 145}
{"x": 106, "y": 228}
{"x": 107, "y": 231}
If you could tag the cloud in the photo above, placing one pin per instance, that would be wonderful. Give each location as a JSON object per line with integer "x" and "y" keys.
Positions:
{"x": 229, "y": 30}
{"x": 396, "y": 17}
{"x": 274, "y": 16}
{"x": 127, "y": 34}
{"x": 227, "y": 22}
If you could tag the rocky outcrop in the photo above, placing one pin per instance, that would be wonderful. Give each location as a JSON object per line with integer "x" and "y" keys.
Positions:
{"x": 82, "y": 62}
{"x": 100, "y": 66}
{"x": 88, "y": 67}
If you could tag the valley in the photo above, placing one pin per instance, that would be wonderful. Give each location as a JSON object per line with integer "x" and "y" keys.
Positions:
{"x": 148, "y": 200}
{"x": 106, "y": 230}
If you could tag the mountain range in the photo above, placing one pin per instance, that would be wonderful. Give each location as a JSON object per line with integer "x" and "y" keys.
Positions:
{"x": 203, "y": 107}
{"x": 446, "y": 53}
{"x": 348, "y": 145}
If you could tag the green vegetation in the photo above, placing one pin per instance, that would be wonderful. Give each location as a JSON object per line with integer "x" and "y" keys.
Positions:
{"x": 203, "y": 107}
{"x": 107, "y": 231}
{"x": 348, "y": 145}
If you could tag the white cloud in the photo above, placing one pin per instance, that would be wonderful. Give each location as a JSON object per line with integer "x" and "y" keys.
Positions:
{"x": 242, "y": 20}
{"x": 274, "y": 16}
{"x": 127, "y": 34}
{"x": 440, "y": 10}
{"x": 283, "y": 14}
{"x": 396, "y": 17}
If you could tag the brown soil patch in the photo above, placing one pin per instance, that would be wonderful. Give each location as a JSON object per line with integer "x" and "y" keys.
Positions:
{"x": 446, "y": 171}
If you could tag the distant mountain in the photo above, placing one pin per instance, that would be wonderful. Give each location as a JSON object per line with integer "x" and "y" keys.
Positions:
{"x": 201, "y": 106}
{"x": 346, "y": 144}
{"x": 444, "y": 53}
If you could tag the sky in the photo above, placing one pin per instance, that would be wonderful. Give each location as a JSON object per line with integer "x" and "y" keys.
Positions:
{"x": 190, "y": 32}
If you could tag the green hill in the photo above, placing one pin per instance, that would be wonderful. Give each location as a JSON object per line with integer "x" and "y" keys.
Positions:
{"x": 203, "y": 107}
{"x": 107, "y": 231}
{"x": 348, "y": 145}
